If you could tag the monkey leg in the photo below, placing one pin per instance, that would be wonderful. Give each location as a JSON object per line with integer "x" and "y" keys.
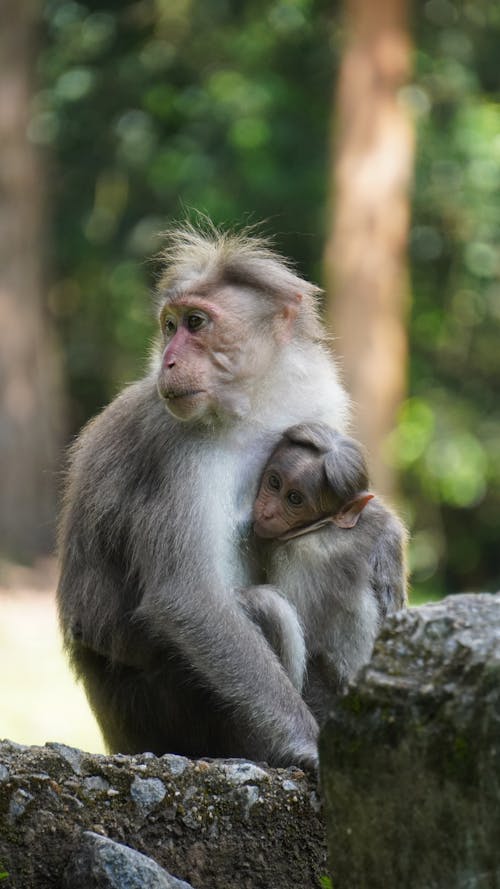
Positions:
{"x": 164, "y": 709}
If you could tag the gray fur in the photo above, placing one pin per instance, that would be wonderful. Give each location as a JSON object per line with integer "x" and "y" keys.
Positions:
{"x": 151, "y": 538}
{"x": 281, "y": 626}
{"x": 205, "y": 257}
{"x": 341, "y": 582}
{"x": 157, "y": 512}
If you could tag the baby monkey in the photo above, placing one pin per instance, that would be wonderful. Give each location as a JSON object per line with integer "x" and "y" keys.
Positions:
{"x": 335, "y": 559}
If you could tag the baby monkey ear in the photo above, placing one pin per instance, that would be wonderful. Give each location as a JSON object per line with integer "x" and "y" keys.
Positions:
{"x": 286, "y": 317}
{"x": 349, "y": 513}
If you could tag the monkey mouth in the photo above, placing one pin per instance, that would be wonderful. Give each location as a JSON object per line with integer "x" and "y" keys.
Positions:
{"x": 261, "y": 529}
{"x": 185, "y": 404}
{"x": 187, "y": 393}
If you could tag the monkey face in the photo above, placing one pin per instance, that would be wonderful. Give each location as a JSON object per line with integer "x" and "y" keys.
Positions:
{"x": 211, "y": 359}
{"x": 283, "y": 502}
{"x": 296, "y": 493}
{"x": 274, "y": 512}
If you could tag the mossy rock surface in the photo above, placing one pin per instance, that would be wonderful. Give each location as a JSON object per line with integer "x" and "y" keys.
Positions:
{"x": 411, "y": 757}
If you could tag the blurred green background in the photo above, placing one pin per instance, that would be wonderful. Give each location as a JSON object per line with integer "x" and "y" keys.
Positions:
{"x": 150, "y": 108}
{"x": 145, "y": 110}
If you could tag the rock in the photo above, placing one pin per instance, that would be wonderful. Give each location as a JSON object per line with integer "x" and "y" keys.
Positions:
{"x": 70, "y": 754}
{"x": 410, "y": 775}
{"x": 214, "y": 823}
{"x": 100, "y": 863}
{"x": 410, "y": 761}
{"x": 147, "y": 793}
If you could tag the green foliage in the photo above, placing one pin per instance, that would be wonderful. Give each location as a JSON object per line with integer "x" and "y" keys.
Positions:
{"x": 447, "y": 439}
{"x": 154, "y": 107}
{"x": 148, "y": 108}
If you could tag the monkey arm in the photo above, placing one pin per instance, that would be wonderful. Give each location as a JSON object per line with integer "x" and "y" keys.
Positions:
{"x": 279, "y": 622}
{"x": 227, "y": 650}
{"x": 222, "y": 644}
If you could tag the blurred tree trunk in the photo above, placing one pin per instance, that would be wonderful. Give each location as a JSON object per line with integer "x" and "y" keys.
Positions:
{"x": 29, "y": 390}
{"x": 365, "y": 260}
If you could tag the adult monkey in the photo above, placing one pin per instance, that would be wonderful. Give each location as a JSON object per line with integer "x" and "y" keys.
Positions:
{"x": 159, "y": 498}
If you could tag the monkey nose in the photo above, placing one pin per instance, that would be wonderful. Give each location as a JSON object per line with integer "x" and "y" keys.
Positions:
{"x": 169, "y": 361}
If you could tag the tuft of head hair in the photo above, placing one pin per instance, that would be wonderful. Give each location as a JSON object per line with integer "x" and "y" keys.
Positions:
{"x": 205, "y": 257}
{"x": 344, "y": 460}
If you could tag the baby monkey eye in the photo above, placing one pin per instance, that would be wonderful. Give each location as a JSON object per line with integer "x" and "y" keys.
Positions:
{"x": 274, "y": 482}
{"x": 195, "y": 321}
{"x": 295, "y": 498}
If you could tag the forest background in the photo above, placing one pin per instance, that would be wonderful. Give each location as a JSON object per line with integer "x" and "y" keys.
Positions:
{"x": 117, "y": 118}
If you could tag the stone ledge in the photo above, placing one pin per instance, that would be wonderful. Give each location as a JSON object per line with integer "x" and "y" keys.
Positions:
{"x": 410, "y": 761}
{"x": 214, "y": 823}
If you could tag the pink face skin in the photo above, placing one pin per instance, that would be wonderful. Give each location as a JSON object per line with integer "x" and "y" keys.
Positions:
{"x": 185, "y": 378}
{"x": 290, "y": 493}
{"x": 212, "y": 357}
{"x": 294, "y": 494}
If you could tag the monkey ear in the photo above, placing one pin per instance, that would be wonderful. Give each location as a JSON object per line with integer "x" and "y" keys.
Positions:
{"x": 286, "y": 318}
{"x": 349, "y": 513}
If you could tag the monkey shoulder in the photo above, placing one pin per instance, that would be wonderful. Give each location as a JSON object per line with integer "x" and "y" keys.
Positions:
{"x": 121, "y": 442}
{"x": 114, "y": 468}
{"x": 113, "y": 519}
{"x": 384, "y": 523}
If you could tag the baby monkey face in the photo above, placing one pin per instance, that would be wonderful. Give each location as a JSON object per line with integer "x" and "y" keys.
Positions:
{"x": 292, "y": 492}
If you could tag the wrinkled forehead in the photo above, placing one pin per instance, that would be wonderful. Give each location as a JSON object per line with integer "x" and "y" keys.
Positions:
{"x": 217, "y": 297}
{"x": 189, "y": 291}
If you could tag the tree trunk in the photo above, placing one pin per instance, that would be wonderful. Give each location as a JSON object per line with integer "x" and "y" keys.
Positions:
{"x": 365, "y": 260}
{"x": 29, "y": 391}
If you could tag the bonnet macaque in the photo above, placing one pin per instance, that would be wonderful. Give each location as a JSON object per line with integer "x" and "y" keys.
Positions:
{"x": 159, "y": 493}
{"x": 324, "y": 530}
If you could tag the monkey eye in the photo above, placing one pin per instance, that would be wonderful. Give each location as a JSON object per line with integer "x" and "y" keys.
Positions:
{"x": 169, "y": 326}
{"x": 295, "y": 498}
{"x": 195, "y": 321}
{"x": 274, "y": 481}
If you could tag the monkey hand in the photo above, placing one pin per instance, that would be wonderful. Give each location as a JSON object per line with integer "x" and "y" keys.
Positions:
{"x": 307, "y": 758}
{"x": 301, "y": 746}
